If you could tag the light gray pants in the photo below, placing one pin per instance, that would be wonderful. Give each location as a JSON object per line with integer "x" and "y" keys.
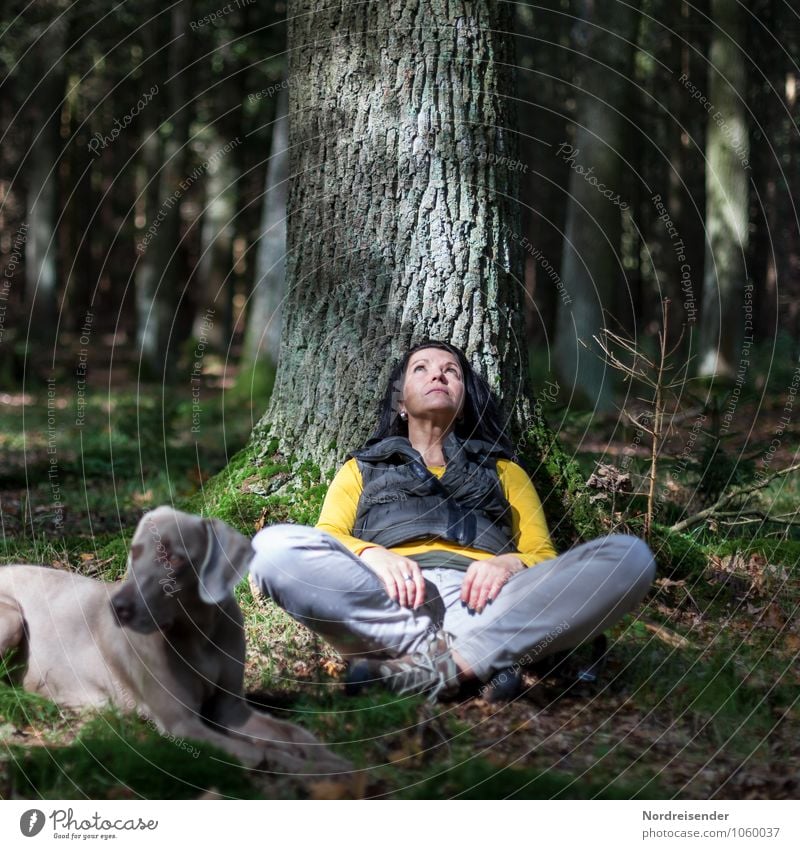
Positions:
{"x": 552, "y": 606}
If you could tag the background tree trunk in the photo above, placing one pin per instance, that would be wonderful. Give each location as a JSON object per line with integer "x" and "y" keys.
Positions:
{"x": 546, "y": 63}
{"x": 146, "y": 270}
{"x": 399, "y": 211}
{"x": 215, "y": 284}
{"x": 214, "y": 276}
{"x": 157, "y": 301}
{"x": 264, "y": 316}
{"x": 41, "y": 248}
{"x": 727, "y": 150}
{"x": 591, "y": 266}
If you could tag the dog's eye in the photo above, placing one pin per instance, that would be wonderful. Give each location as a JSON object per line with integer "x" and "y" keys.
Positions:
{"x": 177, "y": 561}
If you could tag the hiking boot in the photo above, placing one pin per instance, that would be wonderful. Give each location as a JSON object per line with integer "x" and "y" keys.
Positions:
{"x": 431, "y": 671}
{"x": 504, "y": 686}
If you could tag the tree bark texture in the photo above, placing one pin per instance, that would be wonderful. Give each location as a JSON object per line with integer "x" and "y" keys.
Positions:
{"x": 400, "y": 210}
{"x": 591, "y": 265}
{"x": 723, "y": 327}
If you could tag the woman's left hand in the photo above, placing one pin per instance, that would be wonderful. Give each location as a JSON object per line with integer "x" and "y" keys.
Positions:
{"x": 485, "y": 579}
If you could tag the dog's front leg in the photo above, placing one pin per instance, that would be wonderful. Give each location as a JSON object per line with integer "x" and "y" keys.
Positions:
{"x": 12, "y": 625}
{"x": 288, "y": 743}
{"x": 281, "y": 742}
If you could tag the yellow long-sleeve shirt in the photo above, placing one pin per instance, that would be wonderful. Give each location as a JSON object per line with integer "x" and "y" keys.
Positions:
{"x": 529, "y": 526}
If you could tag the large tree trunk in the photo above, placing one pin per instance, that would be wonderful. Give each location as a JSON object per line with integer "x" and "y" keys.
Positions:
{"x": 400, "y": 209}
{"x": 724, "y": 324}
{"x": 263, "y": 336}
{"x": 591, "y": 266}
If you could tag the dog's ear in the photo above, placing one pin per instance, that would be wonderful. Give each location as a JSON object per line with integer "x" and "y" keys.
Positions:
{"x": 225, "y": 563}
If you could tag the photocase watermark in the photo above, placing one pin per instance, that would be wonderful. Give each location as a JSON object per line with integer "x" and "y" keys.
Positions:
{"x": 197, "y": 369}
{"x": 8, "y": 273}
{"x": 63, "y": 819}
{"x": 540, "y": 258}
{"x": 213, "y": 17}
{"x": 80, "y": 369}
{"x": 570, "y": 155}
{"x": 744, "y": 360}
{"x": 52, "y": 455}
{"x": 183, "y": 187}
{"x": 100, "y": 141}
{"x": 680, "y": 253}
{"x": 735, "y": 136}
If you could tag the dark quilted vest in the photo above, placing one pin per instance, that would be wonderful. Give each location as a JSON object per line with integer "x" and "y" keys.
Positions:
{"x": 402, "y": 500}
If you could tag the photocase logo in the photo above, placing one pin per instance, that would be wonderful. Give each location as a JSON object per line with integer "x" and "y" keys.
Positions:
{"x": 31, "y": 822}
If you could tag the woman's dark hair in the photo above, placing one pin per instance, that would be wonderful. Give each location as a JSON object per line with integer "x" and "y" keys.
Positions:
{"x": 480, "y": 416}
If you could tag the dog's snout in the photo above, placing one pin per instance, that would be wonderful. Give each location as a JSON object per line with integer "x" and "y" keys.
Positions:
{"x": 123, "y": 608}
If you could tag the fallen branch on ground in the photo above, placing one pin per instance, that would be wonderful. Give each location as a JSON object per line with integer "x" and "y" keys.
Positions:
{"x": 717, "y": 508}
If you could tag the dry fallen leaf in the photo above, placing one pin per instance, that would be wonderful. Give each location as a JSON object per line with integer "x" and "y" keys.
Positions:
{"x": 345, "y": 787}
{"x": 332, "y": 667}
{"x": 772, "y": 617}
{"x": 792, "y": 643}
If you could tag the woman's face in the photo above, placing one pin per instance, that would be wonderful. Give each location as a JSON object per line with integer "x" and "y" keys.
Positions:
{"x": 433, "y": 387}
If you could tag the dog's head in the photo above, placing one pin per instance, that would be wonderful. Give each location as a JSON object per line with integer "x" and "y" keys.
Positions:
{"x": 178, "y": 562}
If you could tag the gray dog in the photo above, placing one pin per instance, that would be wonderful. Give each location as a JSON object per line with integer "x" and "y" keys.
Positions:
{"x": 167, "y": 642}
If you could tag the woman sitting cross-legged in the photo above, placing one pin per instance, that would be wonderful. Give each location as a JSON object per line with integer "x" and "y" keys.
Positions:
{"x": 431, "y": 564}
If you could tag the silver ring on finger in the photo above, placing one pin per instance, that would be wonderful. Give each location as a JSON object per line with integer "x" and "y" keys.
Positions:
{"x": 409, "y": 578}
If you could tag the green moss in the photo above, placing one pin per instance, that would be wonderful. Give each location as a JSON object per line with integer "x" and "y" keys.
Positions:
{"x": 256, "y": 488}
{"x": 678, "y": 555}
{"x": 561, "y": 486}
{"x": 237, "y": 493}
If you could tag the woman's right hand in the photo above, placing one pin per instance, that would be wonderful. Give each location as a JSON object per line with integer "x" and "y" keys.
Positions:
{"x": 401, "y": 577}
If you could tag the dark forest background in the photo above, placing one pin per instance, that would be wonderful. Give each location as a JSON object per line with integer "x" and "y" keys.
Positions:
{"x": 118, "y": 123}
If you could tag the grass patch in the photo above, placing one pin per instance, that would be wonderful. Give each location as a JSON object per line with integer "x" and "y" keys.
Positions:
{"x": 727, "y": 692}
{"x": 20, "y": 708}
{"x": 477, "y": 778}
{"x": 118, "y": 757}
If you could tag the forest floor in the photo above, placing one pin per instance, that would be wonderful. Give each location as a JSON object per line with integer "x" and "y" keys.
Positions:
{"x": 699, "y": 698}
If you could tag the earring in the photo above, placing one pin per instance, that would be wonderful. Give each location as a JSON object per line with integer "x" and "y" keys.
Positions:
{"x": 404, "y": 415}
